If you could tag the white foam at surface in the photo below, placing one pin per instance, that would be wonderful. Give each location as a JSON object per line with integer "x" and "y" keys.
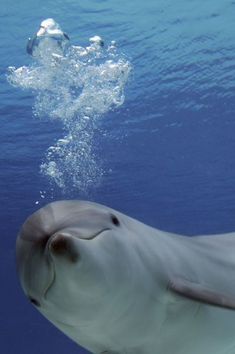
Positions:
{"x": 78, "y": 88}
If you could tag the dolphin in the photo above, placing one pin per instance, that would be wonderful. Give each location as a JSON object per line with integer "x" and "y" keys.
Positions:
{"x": 115, "y": 285}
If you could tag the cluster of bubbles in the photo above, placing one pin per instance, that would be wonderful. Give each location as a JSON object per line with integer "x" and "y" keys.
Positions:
{"x": 76, "y": 85}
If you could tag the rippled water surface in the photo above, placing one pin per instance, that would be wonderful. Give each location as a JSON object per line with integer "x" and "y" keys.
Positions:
{"x": 160, "y": 149}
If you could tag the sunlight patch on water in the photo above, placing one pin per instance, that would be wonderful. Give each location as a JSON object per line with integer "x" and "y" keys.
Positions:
{"x": 78, "y": 88}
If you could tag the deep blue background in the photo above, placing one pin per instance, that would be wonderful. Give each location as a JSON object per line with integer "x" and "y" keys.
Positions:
{"x": 168, "y": 151}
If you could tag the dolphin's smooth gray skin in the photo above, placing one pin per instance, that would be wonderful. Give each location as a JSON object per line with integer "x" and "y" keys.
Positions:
{"x": 116, "y": 285}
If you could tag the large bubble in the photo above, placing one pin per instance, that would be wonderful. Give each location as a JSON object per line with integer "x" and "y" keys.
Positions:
{"x": 78, "y": 88}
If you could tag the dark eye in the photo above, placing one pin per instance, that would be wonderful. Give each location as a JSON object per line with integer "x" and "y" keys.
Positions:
{"x": 115, "y": 220}
{"x": 34, "y": 302}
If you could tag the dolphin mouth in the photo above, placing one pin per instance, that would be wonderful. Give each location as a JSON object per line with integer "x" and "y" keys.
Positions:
{"x": 50, "y": 240}
{"x": 52, "y": 281}
{"x": 80, "y": 237}
{"x": 95, "y": 235}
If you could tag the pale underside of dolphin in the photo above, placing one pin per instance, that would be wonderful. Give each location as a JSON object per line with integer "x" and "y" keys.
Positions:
{"x": 116, "y": 285}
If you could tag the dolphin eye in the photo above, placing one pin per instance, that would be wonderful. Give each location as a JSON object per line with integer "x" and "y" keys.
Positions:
{"x": 115, "y": 220}
{"x": 34, "y": 302}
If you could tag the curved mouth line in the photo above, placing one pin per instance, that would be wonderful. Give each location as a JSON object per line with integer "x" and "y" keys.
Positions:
{"x": 95, "y": 235}
{"x": 49, "y": 287}
{"x": 52, "y": 264}
{"x": 51, "y": 283}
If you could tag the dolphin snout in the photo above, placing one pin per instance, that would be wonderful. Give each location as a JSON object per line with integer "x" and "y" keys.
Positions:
{"x": 36, "y": 271}
{"x": 56, "y": 236}
{"x": 61, "y": 245}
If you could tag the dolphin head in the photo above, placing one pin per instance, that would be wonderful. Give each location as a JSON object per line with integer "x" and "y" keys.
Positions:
{"x": 73, "y": 260}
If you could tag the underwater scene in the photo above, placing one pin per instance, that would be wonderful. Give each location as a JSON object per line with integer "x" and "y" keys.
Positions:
{"x": 125, "y": 104}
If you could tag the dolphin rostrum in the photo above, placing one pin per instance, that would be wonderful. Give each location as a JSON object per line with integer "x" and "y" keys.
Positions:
{"x": 116, "y": 285}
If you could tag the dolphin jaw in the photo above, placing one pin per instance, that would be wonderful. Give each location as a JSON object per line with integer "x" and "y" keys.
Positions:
{"x": 95, "y": 235}
{"x": 73, "y": 256}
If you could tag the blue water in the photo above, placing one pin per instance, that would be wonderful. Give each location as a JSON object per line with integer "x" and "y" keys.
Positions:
{"x": 166, "y": 154}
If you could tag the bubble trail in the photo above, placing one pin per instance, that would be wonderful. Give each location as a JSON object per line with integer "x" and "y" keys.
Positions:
{"x": 78, "y": 88}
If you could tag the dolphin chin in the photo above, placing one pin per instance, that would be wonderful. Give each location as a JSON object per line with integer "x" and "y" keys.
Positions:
{"x": 116, "y": 285}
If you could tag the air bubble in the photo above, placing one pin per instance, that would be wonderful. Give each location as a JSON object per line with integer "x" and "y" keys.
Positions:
{"x": 78, "y": 89}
